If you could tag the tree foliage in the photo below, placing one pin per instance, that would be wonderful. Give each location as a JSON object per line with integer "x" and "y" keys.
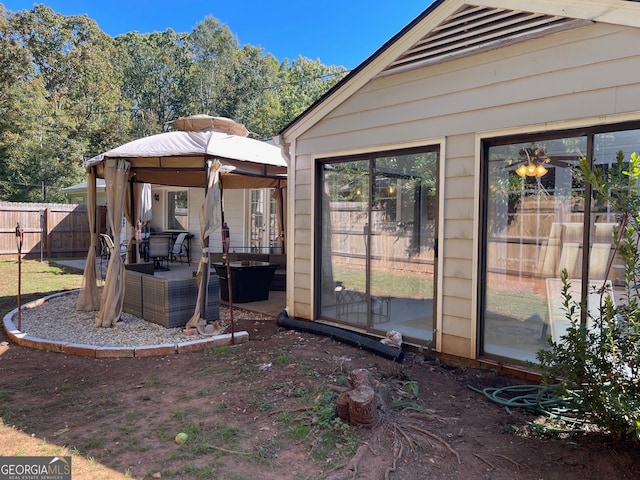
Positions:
{"x": 57, "y": 104}
{"x": 68, "y": 91}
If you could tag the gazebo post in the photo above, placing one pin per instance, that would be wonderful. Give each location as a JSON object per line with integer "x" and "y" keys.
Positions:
{"x": 225, "y": 249}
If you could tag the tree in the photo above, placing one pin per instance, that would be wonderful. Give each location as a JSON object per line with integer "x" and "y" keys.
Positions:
{"x": 14, "y": 63}
{"x": 214, "y": 51}
{"x": 155, "y": 69}
{"x": 68, "y": 91}
{"x": 59, "y": 106}
{"x": 299, "y": 85}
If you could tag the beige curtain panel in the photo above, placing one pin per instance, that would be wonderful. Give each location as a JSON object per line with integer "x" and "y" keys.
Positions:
{"x": 210, "y": 220}
{"x": 88, "y": 298}
{"x": 116, "y": 176}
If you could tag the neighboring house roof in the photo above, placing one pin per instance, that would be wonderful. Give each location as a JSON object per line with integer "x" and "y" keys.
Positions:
{"x": 451, "y": 29}
{"x": 82, "y": 186}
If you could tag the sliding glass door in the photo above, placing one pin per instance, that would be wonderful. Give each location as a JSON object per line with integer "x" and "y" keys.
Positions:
{"x": 540, "y": 220}
{"x": 376, "y": 251}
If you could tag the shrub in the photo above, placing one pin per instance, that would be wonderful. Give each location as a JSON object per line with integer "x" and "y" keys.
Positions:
{"x": 597, "y": 369}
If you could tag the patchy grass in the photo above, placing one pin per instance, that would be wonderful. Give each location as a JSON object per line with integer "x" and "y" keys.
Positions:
{"x": 38, "y": 279}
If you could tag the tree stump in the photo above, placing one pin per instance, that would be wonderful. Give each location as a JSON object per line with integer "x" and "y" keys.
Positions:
{"x": 358, "y": 406}
{"x": 360, "y": 376}
{"x": 362, "y": 406}
{"x": 342, "y": 406}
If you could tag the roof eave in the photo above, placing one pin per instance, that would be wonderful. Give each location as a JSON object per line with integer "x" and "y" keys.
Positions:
{"x": 620, "y": 12}
{"x": 370, "y": 67}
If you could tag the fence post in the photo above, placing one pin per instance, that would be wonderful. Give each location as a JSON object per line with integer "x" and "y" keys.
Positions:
{"x": 41, "y": 234}
{"x": 47, "y": 221}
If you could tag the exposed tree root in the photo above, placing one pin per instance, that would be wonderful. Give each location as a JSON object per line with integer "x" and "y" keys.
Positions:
{"x": 397, "y": 455}
{"x": 391, "y": 429}
{"x": 440, "y": 439}
{"x": 350, "y": 470}
{"x": 486, "y": 461}
{"x": 516, "y": 464}
{"x": 429, "y": 416}
{"x": 406, "y": 436}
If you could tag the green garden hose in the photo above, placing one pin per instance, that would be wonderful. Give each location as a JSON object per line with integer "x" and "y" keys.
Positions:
{"x": 543, "y": 399}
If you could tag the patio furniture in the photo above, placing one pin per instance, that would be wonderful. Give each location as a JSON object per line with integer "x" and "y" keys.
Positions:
{"x": 107, "y": 246}
{"x": 167, "y": 301}
{"x": 143, "y": 267}
{"x": 279, "y": 279}
{"x": 352, "y": 306}
{"x": 250, "y": 281}
{"x": 556, "y": 317}
{"x": 159, "y": 252}
{"x": 179, "y": 249}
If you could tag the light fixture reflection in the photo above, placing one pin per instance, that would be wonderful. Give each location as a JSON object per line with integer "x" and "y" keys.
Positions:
{"x": 535, "y": 157}
{"x": 531, "y": 170}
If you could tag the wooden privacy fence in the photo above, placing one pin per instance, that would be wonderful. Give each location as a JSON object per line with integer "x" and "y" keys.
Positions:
{"x": 50, "y": 229}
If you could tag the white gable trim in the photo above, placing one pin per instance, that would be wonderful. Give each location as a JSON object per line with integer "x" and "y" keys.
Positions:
{"x": 618, "y": 12}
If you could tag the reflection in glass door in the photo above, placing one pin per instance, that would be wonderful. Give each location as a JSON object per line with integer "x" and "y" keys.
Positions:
{"x": 377, "y": 243}
{"x": 263, "y": 229}
{"x": 535, "y": 215}
{"x": 541, "y": 222}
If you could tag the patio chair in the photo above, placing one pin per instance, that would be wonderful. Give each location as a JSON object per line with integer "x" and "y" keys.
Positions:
{"x": 159, "y": 252}
{"x": 178, "y": 250}
{"x": 107, "y": 246}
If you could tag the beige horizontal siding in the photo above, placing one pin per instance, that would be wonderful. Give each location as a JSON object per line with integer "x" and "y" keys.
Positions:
{"x": 458, "y": 346}
{"x": 492, "y": 90}
{"x": 584, "y": 73}
{"x": 460, "y": 249}
{"x": 460, "y": 286}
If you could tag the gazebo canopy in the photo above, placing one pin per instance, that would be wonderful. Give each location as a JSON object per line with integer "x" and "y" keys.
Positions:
{"x": 180, "y": 158}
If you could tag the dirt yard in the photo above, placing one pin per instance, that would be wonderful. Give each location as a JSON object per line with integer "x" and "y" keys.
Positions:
{"x": 265, "y": 409}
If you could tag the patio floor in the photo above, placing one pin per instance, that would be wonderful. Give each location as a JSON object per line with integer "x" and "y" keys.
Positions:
{"x": 273, "y": 306}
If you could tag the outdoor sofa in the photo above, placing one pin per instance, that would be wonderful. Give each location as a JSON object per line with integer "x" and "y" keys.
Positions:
{"x": 167, "y": 302}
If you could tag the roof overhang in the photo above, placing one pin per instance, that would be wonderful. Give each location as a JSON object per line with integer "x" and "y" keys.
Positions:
{"x": 451, "y": 29}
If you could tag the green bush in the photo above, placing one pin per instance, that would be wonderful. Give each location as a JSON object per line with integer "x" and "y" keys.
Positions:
{"x": 598, "y": 369}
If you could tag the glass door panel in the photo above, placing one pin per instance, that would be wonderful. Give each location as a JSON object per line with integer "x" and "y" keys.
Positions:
{"x": 535, "y": 216}
{"x": 606, "y": 267}
{"x": 345, "y": 216}
{"x": 402, "y": 238}
{"x": 377, "y": 253}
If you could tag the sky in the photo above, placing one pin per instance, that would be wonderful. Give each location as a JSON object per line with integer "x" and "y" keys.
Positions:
{"x": 335, "y": 32}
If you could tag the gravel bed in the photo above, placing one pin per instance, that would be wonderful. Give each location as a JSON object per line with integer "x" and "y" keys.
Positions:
{"x": 57, "y": 319}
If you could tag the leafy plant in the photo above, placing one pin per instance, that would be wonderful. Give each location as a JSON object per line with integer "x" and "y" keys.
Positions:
{"x": 598, "y": 368}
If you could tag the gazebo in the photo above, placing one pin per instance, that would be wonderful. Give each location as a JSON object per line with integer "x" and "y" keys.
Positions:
{"x": 213, "y": 153}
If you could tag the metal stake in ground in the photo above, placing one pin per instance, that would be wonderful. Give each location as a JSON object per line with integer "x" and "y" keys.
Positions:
{"x": 19, "y": 239}
{"x": 225, "y": 249}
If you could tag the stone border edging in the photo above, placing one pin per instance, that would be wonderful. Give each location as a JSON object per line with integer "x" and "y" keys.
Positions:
{"x": 93, "y": 351}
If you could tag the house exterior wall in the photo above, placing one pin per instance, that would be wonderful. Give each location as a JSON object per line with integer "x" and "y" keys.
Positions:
{"x": 564, "y": 80}
{"x": 236, "y": 211}
{"x": 80, "y": 197}
{"x": 235, "y": 214}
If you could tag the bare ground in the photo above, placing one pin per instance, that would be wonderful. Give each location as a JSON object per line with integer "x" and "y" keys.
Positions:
{"x": 254, "y": 411}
